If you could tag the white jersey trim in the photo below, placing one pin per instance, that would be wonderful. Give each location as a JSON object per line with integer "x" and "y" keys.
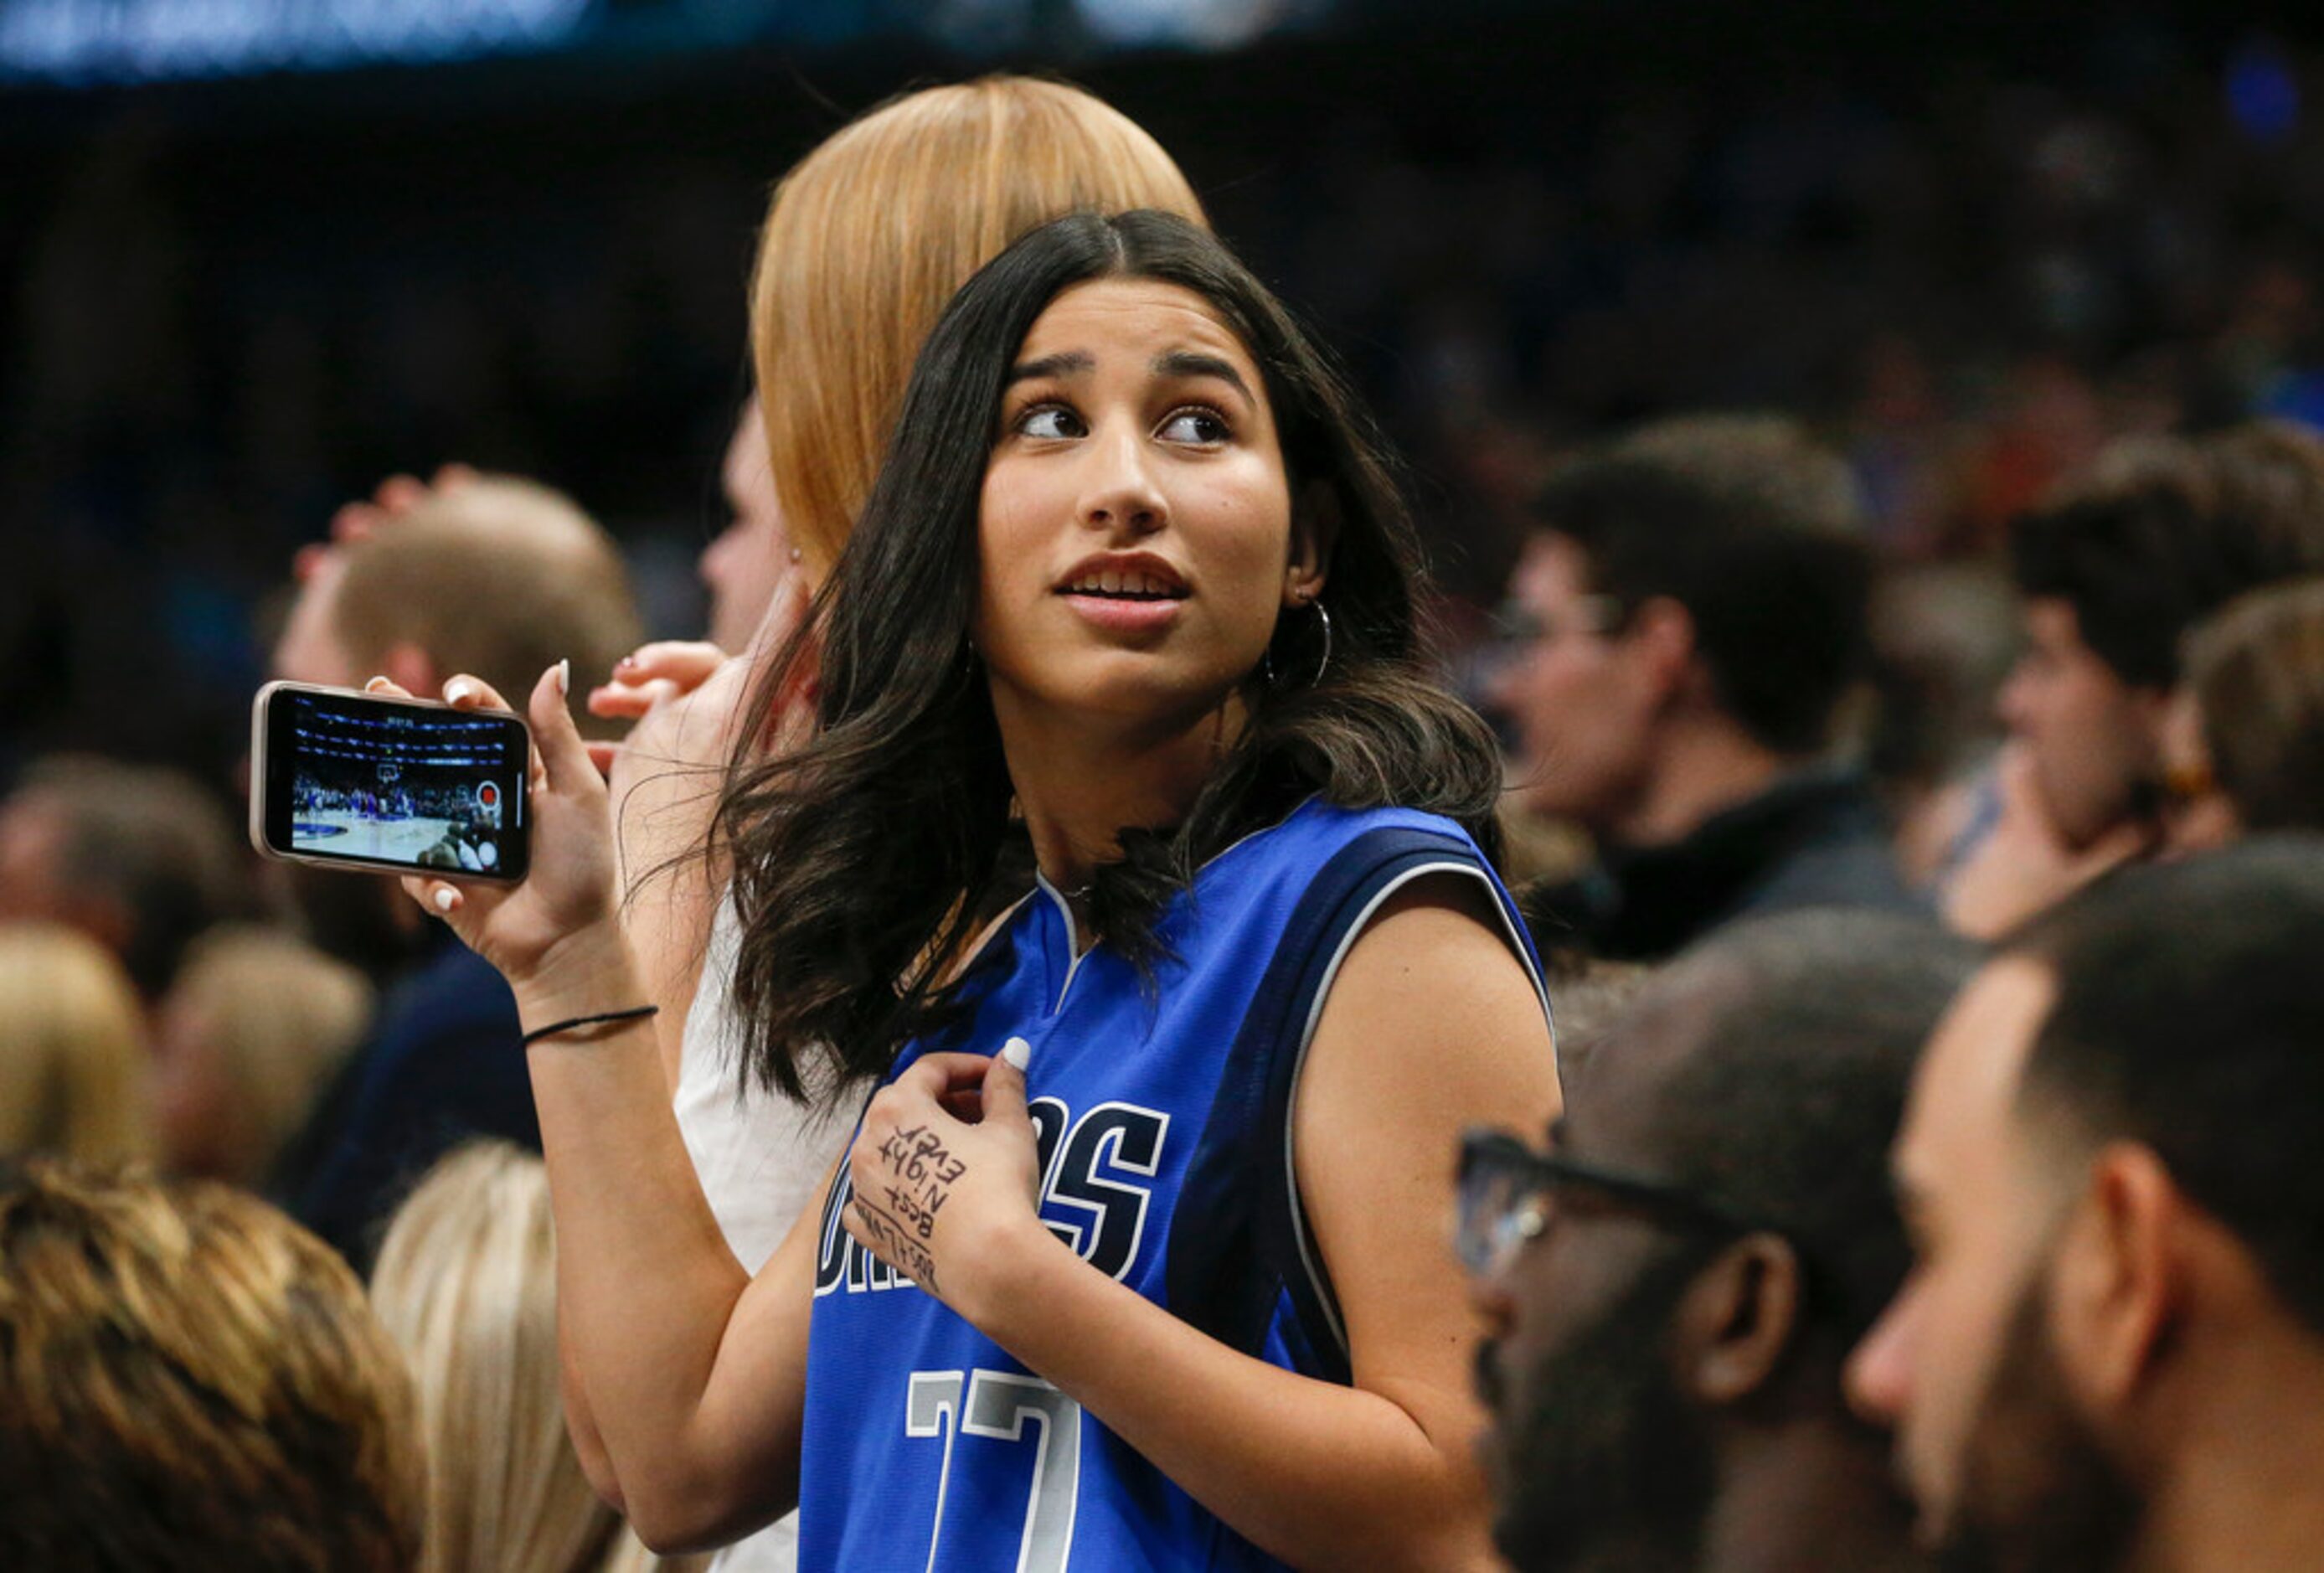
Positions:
{"x": 1317, "y": 1277}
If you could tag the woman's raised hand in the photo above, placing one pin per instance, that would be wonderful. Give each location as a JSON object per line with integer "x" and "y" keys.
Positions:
{"x": 565, "y": 905}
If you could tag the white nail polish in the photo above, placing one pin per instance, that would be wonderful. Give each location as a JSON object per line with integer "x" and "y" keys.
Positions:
{"x": 1017, "y": 1053}
{"x": 446, "y": 899}
{"x": 375, "y": 684}
{"x": 565, "y": 675}
{"x": 454, "y": 693}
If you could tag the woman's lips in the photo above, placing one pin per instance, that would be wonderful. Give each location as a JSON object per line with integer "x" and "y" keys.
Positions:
{"x": 1124, "y": 614}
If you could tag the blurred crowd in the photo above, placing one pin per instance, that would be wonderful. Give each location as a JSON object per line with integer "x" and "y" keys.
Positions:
{"x": 1969, "y": 282}
{"x": 1886, "y": 530}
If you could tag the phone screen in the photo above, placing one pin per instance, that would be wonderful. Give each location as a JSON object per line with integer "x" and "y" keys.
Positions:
{"x": 391, "y": 784}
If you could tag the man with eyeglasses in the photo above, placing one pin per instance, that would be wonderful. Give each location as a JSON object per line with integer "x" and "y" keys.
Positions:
{"x": 1680, "y": 637}
{"x": 1670, "y": 1290}
{"x": 2110, "y": 1353}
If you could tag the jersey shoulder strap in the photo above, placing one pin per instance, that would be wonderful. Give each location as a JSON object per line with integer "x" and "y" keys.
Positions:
{"x": 1241, "y": 1264}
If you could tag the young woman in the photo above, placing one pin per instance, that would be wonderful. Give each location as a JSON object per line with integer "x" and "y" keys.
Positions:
{"x": 864, "y": 242}
{"x": 1137, "y": 1258}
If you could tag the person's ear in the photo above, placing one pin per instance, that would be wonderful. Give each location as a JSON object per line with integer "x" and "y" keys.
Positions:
{"x": 1314, "y": 530}
{"x": 1737, "y": 1319}
{"x": 2118, "y": 1275}
{"x": 413, "y": 670}
{"x": 1662, "y": 633}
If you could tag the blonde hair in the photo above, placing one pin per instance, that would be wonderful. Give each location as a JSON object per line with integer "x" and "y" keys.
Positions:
{"x": 2257, "y": 668}
{"x": 870, "y": 236}
{"x": 466, "y": 1283}
{"x": 495, "y": 575}
{"x": 275, "y": 1016}
{"x": 73, "y": 1061}
{"x": 188, "y": 1379}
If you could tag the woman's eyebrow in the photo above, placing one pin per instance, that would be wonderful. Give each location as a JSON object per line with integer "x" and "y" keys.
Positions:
{"x": 1064, "y": 364}
{"x": 1188, "y": 363}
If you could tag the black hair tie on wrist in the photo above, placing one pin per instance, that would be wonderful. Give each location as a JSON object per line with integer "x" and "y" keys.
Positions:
{"x": 634, "y": 1013}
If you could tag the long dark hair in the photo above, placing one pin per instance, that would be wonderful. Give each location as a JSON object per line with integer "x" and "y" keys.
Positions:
{"x": 865, "y": 860}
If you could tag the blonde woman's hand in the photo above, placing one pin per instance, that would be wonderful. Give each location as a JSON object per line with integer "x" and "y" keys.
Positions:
{"x": 686, "y": 696}
{"x": 651, "y": 681}
{"x": 559, "y": 920}
{"x": 689, "y": 700}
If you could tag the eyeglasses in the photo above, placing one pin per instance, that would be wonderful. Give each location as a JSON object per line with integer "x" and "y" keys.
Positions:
{"x": 1504, "y": 1191}
{"x": 1517, "y": 623}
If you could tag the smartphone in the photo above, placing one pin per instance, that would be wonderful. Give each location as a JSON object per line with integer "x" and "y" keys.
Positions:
{"x": 343, "y": 779}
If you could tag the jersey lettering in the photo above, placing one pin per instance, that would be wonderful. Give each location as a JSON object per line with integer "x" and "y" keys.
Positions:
{"x": 1092, "y": 1171}
{"x": 1110, "y": 1139}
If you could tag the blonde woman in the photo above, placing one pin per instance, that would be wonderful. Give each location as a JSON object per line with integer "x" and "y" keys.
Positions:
{"x": 73, "y": 1063}
{"x": 467, "y": 1285}
{"x": 248, "y": 1037}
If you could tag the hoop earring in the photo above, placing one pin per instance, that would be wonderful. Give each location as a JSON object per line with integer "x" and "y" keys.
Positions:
{"x": 1266, "y": 656}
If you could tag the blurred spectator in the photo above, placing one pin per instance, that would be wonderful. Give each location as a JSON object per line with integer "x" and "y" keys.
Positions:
{"x": 1944, "y": 635}
{"x": 466, "y": 1284}
{"x": 192, "y": 1381}
{"x": 1691, "y": 614}
{"x": 1671, "y": 1291}
{"x": 496, "y": 577}
{"x": 2110, "y": 1351}
{"x": 1592, "y": 996}
{"x": 741, "y": 565}
{"x": 248, "y": 1036}
{"x": 2243, "y": 749}
{"x": 138, "y": 857}
{"x": 2113, "y": 571}
{"x": 74, "y": 1080}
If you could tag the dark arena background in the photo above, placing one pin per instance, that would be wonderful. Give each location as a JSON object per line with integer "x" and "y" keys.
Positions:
{"x": 258, "y": 255}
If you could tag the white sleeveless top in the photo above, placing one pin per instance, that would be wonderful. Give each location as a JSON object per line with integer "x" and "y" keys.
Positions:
{"x": 760, "y": 1157}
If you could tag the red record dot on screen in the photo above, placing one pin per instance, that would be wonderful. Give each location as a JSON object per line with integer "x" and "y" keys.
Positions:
{"x": 488, "y": 794}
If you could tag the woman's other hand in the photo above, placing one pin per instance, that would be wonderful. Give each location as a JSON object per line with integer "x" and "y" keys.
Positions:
{"x": 946, "y": 1176}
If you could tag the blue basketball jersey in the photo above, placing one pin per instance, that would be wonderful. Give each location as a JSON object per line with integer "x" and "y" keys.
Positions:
{"x": 1163, "y": 1117}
